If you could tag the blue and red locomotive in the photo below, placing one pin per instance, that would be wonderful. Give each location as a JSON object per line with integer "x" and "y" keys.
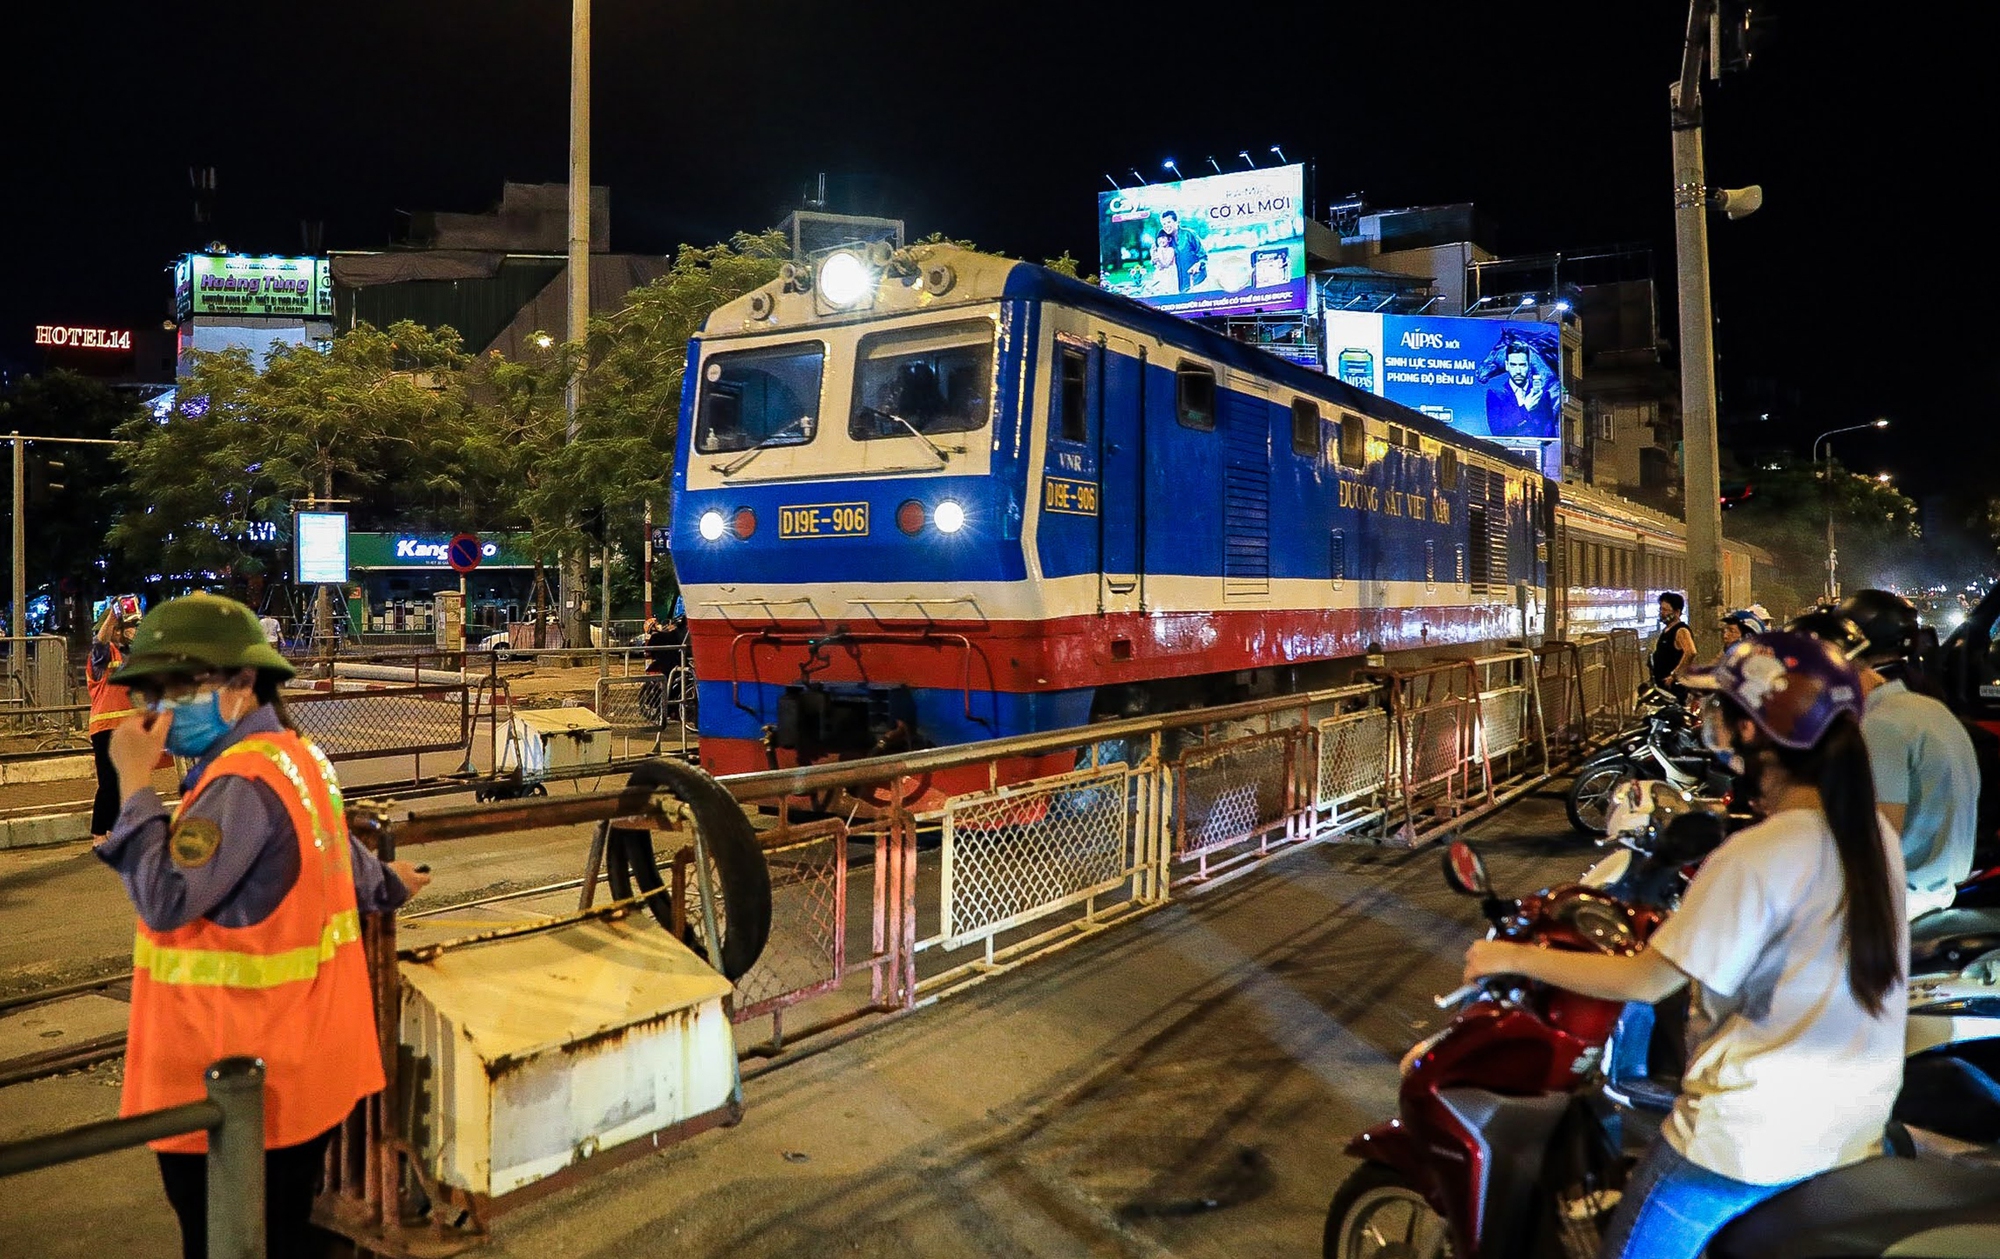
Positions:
{"x": 932, "y": 496}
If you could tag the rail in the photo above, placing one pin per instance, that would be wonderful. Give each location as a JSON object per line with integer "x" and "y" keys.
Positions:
{"x": 232, "y": 1115}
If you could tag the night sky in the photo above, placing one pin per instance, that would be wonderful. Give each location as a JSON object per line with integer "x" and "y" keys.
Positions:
{"x": 1859, "y": 290}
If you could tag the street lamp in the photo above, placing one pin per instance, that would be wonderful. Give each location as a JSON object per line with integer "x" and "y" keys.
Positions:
{"x": 1826, "y": 473}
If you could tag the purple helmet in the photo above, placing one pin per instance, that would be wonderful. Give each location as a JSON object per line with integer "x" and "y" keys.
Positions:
{"x": 1793, "y": 686}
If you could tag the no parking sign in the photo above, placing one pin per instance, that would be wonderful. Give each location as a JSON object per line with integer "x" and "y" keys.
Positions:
{"x": 463, "y": 553}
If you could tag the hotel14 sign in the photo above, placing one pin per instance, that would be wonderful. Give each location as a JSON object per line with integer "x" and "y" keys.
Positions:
{"x": 83, "y": 338}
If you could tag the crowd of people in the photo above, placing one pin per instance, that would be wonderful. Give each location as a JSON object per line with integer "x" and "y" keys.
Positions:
{"x": 1792, "y": 938}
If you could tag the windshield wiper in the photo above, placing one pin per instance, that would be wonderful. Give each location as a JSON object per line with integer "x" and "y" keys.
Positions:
{"x": 939, "y": 451}
{"x": 740, "y": 462}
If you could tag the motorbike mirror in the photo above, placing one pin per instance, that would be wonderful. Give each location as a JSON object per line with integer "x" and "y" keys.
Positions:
{"x": 1465, "y": 870}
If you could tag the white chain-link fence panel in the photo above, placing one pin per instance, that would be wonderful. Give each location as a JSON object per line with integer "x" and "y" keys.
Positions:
{"x": 1012, "y": 856}
{"x": 1230, "y": 792}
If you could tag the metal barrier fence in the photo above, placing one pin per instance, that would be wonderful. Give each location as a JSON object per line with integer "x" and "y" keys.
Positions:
{"x": 233, "y": 1117}
{"x": 656, "y": 704}
{"x": 35, "y": 686}
{"x": 900, "y": 879}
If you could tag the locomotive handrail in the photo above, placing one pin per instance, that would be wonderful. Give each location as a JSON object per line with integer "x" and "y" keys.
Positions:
{"x": 808, "y": 637}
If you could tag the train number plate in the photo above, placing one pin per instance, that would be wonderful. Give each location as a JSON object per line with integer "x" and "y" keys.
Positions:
{"x": 1075, "y": 498}
{"x": 824, "y": 520}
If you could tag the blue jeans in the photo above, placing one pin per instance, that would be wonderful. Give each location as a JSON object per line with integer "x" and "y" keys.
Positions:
{"x": 1671, "y": 1207}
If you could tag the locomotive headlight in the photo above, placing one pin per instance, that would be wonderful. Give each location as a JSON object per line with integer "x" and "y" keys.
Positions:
{"x": 712, "y": 526}
{"x": 844, "y": 279}
{"x": 948, "y": 516}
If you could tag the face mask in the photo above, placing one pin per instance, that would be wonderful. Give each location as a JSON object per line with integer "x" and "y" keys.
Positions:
{"x": 198, "y": 724}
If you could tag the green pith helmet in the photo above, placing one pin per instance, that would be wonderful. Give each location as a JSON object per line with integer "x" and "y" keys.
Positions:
{"x": 196, "y": 633}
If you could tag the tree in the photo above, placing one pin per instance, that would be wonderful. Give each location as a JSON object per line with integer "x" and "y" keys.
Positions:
{"x": 213, "y": 486}
{"x": 1785, "y": 512}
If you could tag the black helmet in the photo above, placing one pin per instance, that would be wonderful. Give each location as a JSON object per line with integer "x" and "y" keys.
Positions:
{"x": 1888, "y": 621}
{"x": 1831, "y": 628}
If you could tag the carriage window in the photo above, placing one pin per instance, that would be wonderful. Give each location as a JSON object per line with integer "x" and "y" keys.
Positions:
{"x": 1194, "y": 397}
{"x": 1447, "y": 470}
{"x": 1305, "y": 426}
{"x": 1074, "y": 426}
{"x": 935, "y": 378}
{"x": 760, "y": 398}
{"x": 1353, "y": 442}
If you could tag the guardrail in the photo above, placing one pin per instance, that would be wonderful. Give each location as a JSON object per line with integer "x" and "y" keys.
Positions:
{"x": 35, "y": 686}
{"x": 233, "y": 1117}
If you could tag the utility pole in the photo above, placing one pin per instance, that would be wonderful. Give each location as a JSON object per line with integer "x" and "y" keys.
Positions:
{"x": 1701, "y": 495}
{"x": 17, "y": 619}
{"x": 574, "y": 579}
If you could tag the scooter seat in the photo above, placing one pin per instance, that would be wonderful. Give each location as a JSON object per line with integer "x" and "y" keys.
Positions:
{"x": 1947, "y": 939}
{"x": 1882, "y": 1206}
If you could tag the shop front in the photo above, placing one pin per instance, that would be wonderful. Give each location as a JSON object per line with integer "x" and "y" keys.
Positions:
{"x": 395, "y": 579}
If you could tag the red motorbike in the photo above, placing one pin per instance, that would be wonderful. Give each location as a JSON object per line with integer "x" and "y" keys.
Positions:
{"x": 1498, "y": 1147}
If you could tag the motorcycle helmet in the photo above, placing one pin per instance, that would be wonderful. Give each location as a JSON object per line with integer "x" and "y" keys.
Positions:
{"x": 1746, "y": 621}
{"x": 1887, "y": 621}
{"x": 1793, "y": 687}
{"x": 1831, "y": 628}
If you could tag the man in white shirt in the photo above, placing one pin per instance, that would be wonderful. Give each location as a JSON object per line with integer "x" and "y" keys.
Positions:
{"x": 1926, "y": 771}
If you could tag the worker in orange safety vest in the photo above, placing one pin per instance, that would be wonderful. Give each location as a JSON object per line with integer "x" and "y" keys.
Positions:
{"x": 249, "y": 896}
{"x": 109, "y": 705}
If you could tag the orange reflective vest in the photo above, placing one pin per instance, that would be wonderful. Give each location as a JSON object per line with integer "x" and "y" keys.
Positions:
{"x": 109, "y": 704}
{"x": 292, "y": 990}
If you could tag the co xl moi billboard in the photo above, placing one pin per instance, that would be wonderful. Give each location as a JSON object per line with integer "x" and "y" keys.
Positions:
{"x": 1494, "y": 378}
{"x": 1221, "y": 244}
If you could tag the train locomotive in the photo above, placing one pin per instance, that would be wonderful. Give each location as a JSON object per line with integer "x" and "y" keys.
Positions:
{"x": 930, "y": 496}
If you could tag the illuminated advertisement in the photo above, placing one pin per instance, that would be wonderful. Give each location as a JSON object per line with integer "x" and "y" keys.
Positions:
{"x": 321, "y": 538}
{"x": 239, "y": 284}
{"x": 1495, "y": 378}
{"x": 1221, "y": 244}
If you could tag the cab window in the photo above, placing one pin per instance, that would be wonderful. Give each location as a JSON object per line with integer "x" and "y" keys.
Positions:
{"x": 934, "y": 378}
{"x": 1194, "y": 397}
{"x": 1073, "y": 425}
{"x": 765, "y": 397}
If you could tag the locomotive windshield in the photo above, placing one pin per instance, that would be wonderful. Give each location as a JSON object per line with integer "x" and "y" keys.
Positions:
{"x": 937, "y": 378}
{"x": 752, "y": 399}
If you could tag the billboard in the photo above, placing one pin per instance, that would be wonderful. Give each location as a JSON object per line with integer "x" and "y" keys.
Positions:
{"x": 1494, "y": 378}
{"x": 321, "y": 545}
{"x": 1233, "y": 243}
{"x": 239, "y": 284}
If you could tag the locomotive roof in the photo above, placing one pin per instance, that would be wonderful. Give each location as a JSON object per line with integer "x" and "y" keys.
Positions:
{"x": 987, "y": 277}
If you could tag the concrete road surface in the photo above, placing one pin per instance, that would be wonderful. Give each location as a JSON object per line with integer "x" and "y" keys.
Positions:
{"x": 1183, "y": 1085}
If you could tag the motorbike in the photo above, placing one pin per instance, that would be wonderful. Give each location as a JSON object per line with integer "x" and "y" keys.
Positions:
{"x": 1500, "y": 1146}
{"x": 1665, "y": 745}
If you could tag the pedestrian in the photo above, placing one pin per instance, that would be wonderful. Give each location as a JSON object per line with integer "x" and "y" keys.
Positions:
{"x": 1791, "y": 937}
{"x": 248, "y": 895}
{"x": 109, "y": 705}
{"x": 1925, "y": 767}
{"x": 1673, "y": 650}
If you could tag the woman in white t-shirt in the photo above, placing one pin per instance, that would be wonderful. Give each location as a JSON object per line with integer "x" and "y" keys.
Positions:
{"x": 1792, "y": 935}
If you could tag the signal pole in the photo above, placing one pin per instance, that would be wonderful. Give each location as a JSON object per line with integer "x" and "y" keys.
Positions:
{"x": 575, "y": 580}
{"x": 1701, "y": 496}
